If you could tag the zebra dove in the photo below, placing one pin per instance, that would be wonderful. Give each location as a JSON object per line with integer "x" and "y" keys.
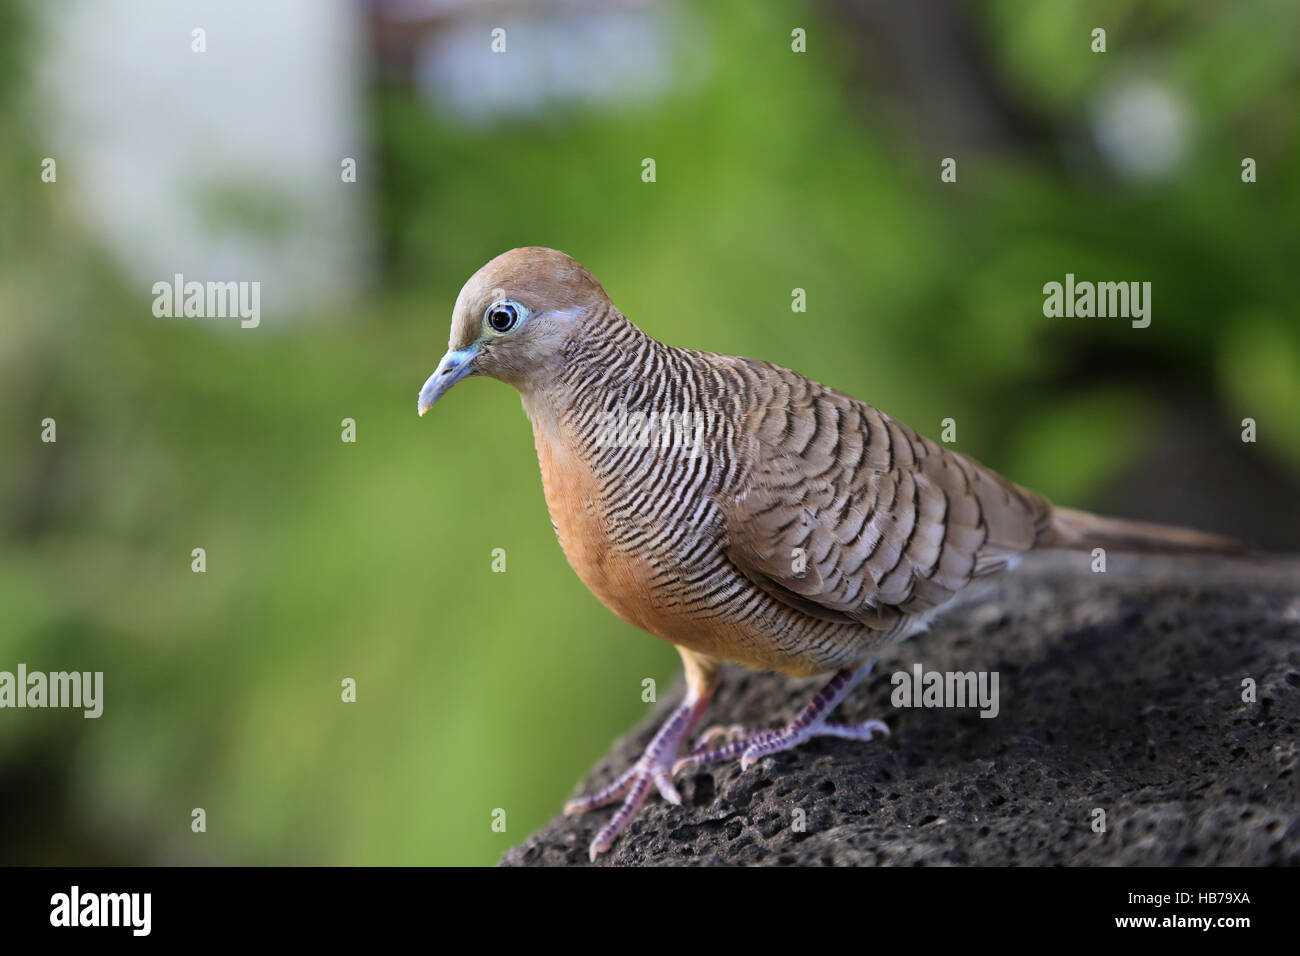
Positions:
{"x": 750, "y": 515}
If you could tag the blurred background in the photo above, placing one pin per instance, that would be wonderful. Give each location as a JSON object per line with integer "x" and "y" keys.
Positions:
{"x": 775, "y": 170}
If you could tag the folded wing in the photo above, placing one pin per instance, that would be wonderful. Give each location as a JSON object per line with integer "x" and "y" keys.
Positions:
{"x": 849, "y": 515}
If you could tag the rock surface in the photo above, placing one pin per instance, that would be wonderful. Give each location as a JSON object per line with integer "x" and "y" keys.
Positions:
{"x": 1120, "y": 691}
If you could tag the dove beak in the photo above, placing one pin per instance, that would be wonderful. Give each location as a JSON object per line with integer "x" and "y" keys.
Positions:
{"x": 454, "y": 366}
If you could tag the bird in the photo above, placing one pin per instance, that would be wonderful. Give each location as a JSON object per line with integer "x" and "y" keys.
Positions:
{"x": 739, "y": 510}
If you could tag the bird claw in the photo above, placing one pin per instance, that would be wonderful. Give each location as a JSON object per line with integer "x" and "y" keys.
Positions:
{"x": 764, "y": 743}
{"x": 656, "y": 773}
{"x": 730, "y": 732}
{"x": 633, "y": 787}
{"x": 653, "y": 768}
{"x": 663, "y": 780}
{"x": 810, "y": 722}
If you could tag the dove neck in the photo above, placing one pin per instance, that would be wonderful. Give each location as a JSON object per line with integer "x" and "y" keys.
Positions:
{"x": 609, "y": 365}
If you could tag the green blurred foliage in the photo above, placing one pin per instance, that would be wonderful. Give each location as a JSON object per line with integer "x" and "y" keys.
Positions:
{"x": 328, "y": 560}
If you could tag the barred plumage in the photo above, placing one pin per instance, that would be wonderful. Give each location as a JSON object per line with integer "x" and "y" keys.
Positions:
{"x": 890, "y": 525}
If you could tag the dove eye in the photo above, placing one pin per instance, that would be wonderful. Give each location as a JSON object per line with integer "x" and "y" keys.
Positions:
{"x": 503, "y": 316}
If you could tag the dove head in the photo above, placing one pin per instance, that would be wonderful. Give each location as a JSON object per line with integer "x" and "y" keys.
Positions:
{"x": 513, "y": 318}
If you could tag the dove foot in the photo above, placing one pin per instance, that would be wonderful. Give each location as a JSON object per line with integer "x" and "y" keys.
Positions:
{"x": 751, "y": 745}
{"x": 653, "y": 769}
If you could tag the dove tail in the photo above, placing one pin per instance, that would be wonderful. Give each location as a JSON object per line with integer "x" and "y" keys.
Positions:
{"x": 1080, "y": 530}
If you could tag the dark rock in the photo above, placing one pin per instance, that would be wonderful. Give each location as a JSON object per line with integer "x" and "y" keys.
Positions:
{"x": 1120, "y": 691}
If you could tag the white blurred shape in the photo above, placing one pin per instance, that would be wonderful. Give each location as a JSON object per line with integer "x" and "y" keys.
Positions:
{"x": 555, "y": 55}
{"x": 222, "y": 165}
{"x": 1141, "y": 128}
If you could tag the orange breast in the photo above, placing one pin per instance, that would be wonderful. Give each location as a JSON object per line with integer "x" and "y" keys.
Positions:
{"x": 618, "y": 579}
{"x": 622, "y": 580}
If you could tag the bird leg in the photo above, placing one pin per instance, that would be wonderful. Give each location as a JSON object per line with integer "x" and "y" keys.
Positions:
{"x": 654, "y": 767}
{"x": 750, "y": 744}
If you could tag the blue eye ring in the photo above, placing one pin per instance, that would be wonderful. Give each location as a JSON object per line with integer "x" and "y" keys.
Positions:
{"x": 503, "y": 316}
